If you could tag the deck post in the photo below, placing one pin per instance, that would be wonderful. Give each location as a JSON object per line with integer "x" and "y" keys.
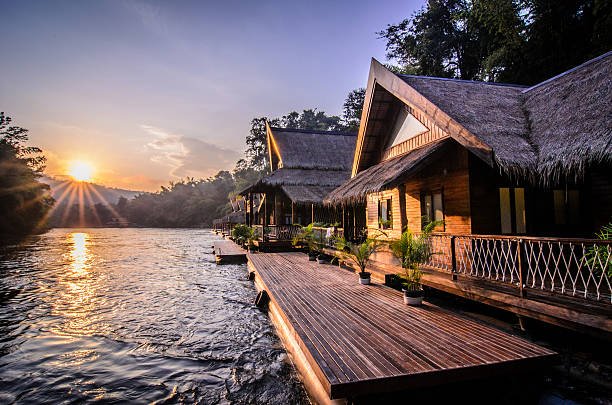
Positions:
{"x": 311, "y": 213}
{"x": 522, "y": 274}
{"x": 265, "y": 221}
{"x": 292, "y": 214}
{"x": 453, "y": 258}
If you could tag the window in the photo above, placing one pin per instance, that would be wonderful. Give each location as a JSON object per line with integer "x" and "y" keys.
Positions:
{"x": 432, "y": 208}
{"x": 519, "y": 210}
{"x": 567, "y": 207}
{"x": 385, "y": 213}
{"x": 512, "y": 210}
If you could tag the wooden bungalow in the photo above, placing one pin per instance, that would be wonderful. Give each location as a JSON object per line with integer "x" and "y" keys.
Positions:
{"x": 306, "y": 166}
{"x": 509, "y": 169}
{"x": 225, "y": 224}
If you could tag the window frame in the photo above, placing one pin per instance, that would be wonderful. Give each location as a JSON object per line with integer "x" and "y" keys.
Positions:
{"x": 425, "y": 218}
{"x": 388, "y": 201}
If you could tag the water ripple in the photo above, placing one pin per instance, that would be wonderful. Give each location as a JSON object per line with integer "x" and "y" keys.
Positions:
{"x": 134, "y": 315}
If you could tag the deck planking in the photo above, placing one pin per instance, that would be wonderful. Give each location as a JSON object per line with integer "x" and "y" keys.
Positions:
{"x": 227, "y": 252}
{"x": 362, "y": 339}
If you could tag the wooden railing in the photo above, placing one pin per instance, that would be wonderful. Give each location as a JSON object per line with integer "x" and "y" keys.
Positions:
{"x": 288, "y": 232}
{"x": 570, "y": 267}
{"x": 320, "y": 234}
{"x": 276, "y": 232}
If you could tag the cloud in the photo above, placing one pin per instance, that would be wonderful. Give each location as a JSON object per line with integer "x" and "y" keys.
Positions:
{"x": 187, "y": 156}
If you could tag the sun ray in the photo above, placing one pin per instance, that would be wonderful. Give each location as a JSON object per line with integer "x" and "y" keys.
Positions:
{"x": 91, "y": 202}
{"x": 81, "y": 205}
{"x": 69, "y": 204}
{"x": 109, "y": 206}
{"x": 55, "y": 206}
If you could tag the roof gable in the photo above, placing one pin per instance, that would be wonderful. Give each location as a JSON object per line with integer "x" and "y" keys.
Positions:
{"x": 545, "y": 132}
{"x": 383, "y": 87}
{"x": 309, "y": 149}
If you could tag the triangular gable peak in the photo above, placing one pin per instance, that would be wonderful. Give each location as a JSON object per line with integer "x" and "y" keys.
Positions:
{"x": 391, "y": 105}
{"x": 273, "y": 152}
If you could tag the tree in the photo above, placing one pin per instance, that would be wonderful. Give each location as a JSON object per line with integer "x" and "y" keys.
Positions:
{"x": 24, "y": 201}
{"x": 353, "y": 106}
{"x": 564, "y": 34}
{"x": 515, "y": 41}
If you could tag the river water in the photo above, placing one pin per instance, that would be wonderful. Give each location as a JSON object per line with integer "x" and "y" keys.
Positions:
{"x": 134, "y": 315}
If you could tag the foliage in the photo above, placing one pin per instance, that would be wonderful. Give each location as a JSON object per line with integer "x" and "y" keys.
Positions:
{"x": 184, "y": 203}
{"x": 384, "y": 223}
{"x": 242, "y": 234}
{"x": 256, "y": 165}
{"x": 352, "y": 108}
{"x": 413, "y": 250}
{"x": 514, "y": 41}
{"x": 599, "y": 257}
{"x": 24, "y": 201}
{"x": 358, "y": 254}
{"x": 306, "y": 236}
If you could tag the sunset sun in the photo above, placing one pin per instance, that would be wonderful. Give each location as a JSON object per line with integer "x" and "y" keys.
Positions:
{"x": 81, "y": 171}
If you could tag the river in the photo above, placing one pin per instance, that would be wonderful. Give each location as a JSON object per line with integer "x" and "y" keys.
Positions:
{"x": 134, "y": 315}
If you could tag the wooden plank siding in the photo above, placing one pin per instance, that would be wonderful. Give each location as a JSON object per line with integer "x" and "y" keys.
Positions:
{"x": 358, "y": 340}
{"x": 372, "y": 214}
{"x": 449, "y": 174}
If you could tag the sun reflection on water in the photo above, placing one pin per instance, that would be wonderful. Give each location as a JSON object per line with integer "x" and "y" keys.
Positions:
{"x": 79, "y": 255}
{"x": 77, "y": 299}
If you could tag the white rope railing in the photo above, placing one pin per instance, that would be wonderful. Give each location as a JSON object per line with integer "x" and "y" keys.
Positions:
{"x": 578, "y": 268}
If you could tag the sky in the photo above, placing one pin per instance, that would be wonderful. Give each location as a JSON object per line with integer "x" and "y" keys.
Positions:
{"x": 151, "y": 92}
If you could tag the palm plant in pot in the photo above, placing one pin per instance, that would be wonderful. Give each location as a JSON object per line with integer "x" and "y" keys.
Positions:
{"x": 306, "y": 237}
{"x": 241, "y": 234}
{"x": 412, "y": 251}
{"x": 358, "y": 254}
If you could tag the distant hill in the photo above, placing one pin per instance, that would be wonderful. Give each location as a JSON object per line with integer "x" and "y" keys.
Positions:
{"x": 110, "y": 194}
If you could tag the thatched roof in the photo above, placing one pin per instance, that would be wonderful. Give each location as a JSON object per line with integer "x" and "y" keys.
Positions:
{"x": 385, "y": 175}
{"x": 303, "y": 177}
{"x": 492, "y": 112}
{"x": 545, "y": 133}
{"x": 307, "y": 194}
{"x": 309, "y": 149}
{"x": 307, "y": 164}
{"x": 570, "y": 118}
{"x": 236, "y": 217}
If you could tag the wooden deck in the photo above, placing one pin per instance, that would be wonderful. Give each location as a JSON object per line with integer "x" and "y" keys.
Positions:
{"x": 349, "y": 339}
{"x": 227, "y": 252}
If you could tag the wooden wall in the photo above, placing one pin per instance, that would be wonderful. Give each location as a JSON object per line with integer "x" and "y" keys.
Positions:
{"x": 484, "y": 197}
{"x": 600, "y": 200}
{"x": 372, "y": 214}
{"x": 447, "y": 173}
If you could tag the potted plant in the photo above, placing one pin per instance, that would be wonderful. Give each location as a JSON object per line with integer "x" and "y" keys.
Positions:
{"x": 241, "y": 234}
{"x": 412, "y": 251}
{"x": 306, "y": 237}
{"x": 384, "y": 223}
{"x": 358, "y": 254}
{"x": 252, "y": 237}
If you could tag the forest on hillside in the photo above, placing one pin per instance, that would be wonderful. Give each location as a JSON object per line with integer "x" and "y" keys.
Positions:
{"x": 512, "y": 41}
